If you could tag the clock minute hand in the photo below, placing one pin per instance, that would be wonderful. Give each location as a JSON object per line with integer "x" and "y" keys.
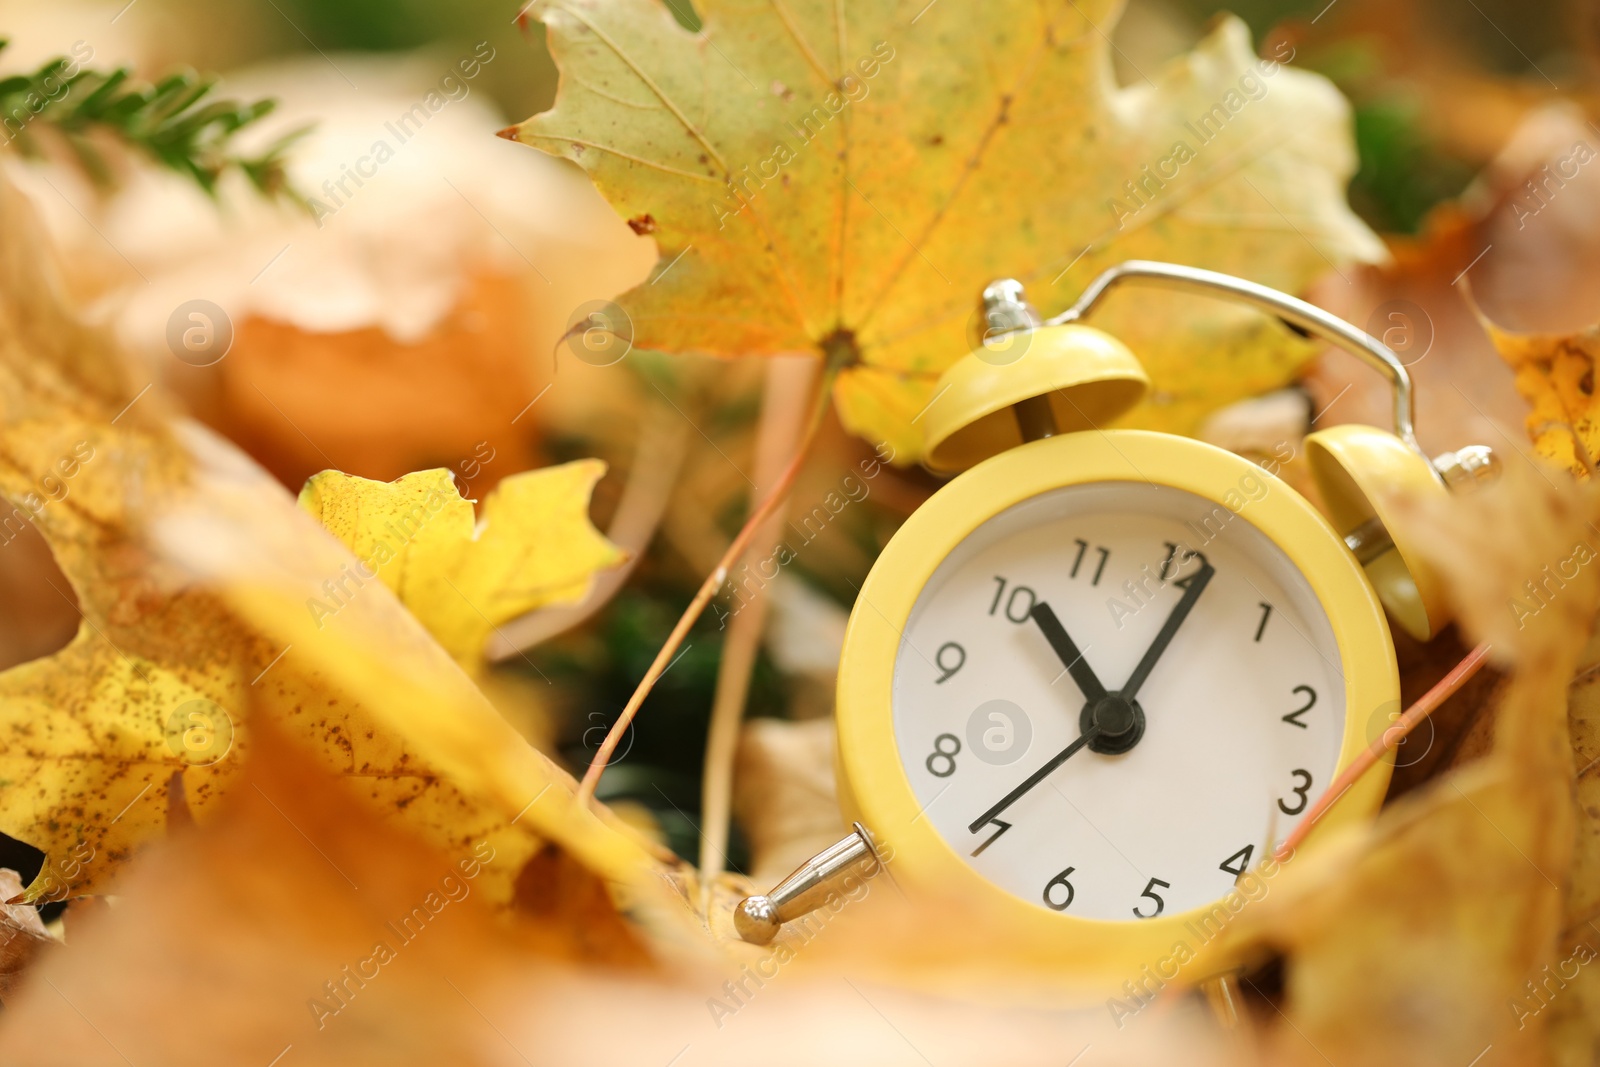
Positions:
{"x": 1067, "y": 651}
{"x": 1168, "y": 630}
{"x": 1035, "y": 778}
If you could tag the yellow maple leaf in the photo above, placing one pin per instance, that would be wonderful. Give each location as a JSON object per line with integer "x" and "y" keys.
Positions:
{"x": 535, "y": 546}
{"x": 1555, "y": 373}
{"x": 193, "y": 569}
{"x": 846, "y": 179}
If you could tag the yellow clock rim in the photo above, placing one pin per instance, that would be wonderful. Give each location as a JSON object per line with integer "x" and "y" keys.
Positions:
{"x": 873, "y": 787}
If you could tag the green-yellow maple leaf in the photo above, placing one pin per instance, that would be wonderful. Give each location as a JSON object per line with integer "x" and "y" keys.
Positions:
{"x": 534, "y": 546}
{"x": 846, "y": 178}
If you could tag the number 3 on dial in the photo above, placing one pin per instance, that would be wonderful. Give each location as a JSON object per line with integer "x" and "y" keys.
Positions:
{"x": 1301, "y": 790}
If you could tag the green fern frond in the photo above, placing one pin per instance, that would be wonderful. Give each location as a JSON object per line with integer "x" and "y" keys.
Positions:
{"x": 172, "y": 121}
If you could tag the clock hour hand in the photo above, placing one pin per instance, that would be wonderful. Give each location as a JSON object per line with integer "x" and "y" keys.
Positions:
{"x": 1035, "y": 778}
{"x": 1168, "y": 629}
{"x": 1067, "y": 651}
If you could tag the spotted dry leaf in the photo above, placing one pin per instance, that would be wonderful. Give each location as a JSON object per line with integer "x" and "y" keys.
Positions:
{"x": 196, "y": 574}
{"x": 1555, "y": 373}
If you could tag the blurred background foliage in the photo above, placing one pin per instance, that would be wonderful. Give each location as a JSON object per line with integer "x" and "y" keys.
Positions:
{"x": 1436, "y": 87}
{"x": 1385, "y": 56}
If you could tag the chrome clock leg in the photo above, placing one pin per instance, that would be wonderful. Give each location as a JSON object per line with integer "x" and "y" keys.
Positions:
{"x": 759, "y": 918}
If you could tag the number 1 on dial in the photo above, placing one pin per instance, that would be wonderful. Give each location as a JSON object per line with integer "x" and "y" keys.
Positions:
{"x": 1266, "y": 613}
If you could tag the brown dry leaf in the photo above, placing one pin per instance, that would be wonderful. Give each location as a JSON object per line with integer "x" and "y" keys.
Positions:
{"x": 845, "y": 180}
{"x": 1525, "y": 236}
{"x": 22, "y": 934}
{"x": 1572, "y": 999}
{"x": 1464, "y": 391}
{"x": 1408, "y": 942}
{"x": 403, "y": 328}
{"x": 784, "y": 794}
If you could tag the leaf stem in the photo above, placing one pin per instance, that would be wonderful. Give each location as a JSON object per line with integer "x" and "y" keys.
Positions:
{"x": 713, "y": 582}
{"x": 782, "y": 423}
{"x": 1390, "y": 739}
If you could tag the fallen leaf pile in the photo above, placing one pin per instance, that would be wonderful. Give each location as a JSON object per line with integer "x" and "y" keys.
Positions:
{"x": 201, "y": 588}
{"x": 270, "y": 740}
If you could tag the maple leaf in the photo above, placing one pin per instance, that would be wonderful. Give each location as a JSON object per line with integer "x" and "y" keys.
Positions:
{"x": 193, "y": 570}
{"x": 534, "y": 546}
{"x": 1555, "y": 373}
{"x": 846, "y": 179}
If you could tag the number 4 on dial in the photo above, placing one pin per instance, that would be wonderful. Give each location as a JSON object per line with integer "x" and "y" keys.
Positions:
{"x": 1239, "y": 862}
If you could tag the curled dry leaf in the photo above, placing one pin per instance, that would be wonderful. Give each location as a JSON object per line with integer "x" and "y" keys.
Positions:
{"x": 1536, "y": 284}
{"x": 847, "y": 179}
{"x": 534, "y": 546}
{"x": 784, "y": 794}
{"x": 1572, "y": 1000}
{"x": 22, "y": 934}
{"x": 1488, "y": 307}
{"x": 194, "y": 570}
{"x": 1411, "y": 942}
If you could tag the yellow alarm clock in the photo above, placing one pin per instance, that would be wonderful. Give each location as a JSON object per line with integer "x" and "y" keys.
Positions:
{"x": 1096, "y": 677}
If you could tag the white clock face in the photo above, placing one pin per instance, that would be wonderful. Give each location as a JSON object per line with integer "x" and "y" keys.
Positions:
{"x": 1235, "y": 677}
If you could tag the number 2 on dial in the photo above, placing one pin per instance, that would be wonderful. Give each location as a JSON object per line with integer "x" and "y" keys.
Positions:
{"x": 1293, "y": 718}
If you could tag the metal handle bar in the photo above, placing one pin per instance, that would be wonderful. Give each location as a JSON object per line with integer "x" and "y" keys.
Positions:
{"x": 1297, "y": 313}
